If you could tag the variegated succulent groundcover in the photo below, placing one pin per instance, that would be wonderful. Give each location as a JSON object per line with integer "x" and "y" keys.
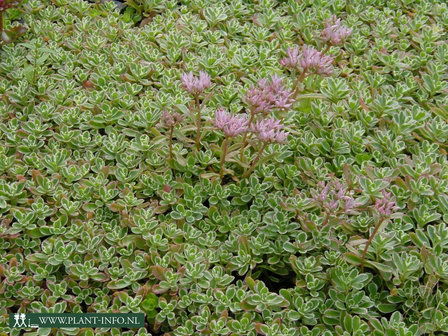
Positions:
{"x": 227, "y": 167}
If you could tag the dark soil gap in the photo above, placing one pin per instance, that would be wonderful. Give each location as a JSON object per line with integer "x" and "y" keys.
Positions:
{"x": 274, "y": 282}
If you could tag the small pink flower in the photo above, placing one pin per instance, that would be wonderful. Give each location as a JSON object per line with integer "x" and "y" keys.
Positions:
{"x": 314, "y": 61}
{"x": 171, "y": 119}
{"x": 324, "y": 193}
{"x": 281, "y": 137}
{"x": 292, "y": 58}
{"x": 195, "y": 85}
{"x": 269, "y": 95}
{"x": 269, "y": 130}
{"x": 385, "y": 206}
{"x": 335, "y": 33}
{"x": 230, "y": 124}
{"x": 333, "y": 195}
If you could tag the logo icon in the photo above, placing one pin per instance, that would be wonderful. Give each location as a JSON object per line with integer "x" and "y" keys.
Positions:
{"x": 20, "y": 321}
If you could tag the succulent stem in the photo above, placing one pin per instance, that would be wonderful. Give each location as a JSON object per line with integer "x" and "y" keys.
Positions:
{"x": 296, "y": 88}
{"x": 223, "y": 157}
{"x": 245, "y": 142}
{"x": 198, "y": 123}
{"x": 375, "y": 230}
{"x": 170, "y": 146}
{"x": 252, "y": 167}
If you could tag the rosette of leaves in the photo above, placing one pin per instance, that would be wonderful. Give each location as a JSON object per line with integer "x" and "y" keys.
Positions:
{"x": 145, "y": 9}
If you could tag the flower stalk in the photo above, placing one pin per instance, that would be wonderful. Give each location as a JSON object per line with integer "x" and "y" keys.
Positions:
{"x": 1, "y": 23}
{"x": 245, "y": 140}
{"x": 296, "y": 88}
{"x": 198, "y": 122}
{"x": 170, "y": 142}
{"x": 384, "y": 207}
{"x": 268, "y": 131}
{"x": 223, "y": 156}
{"x": 195, "y": 86}
{"x": 170, "y": 121}
{"x": 231, "y": 125}
{"x": 254, "y": 163}
{"x": 364, "y": 252}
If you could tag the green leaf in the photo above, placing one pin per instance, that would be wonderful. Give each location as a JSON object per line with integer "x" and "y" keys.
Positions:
{"x": 118, "y": 284}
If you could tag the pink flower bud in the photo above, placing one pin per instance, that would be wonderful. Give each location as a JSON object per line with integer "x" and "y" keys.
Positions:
{"x": 195, "y": 85}
{"x": 269, "y": 95}
{"x": 335, "y": 33}
{"x": 292, "y": 58}
{"x": 231, "y": 125}
{"x": 385, "y": 206}
{"x": 269, "y": 130}
{"x": 314, "y": 61}
{"x": 171, "y": 119}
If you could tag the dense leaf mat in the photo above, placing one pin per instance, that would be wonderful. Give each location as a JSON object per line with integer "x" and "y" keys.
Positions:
{"x": 95, "y": 218}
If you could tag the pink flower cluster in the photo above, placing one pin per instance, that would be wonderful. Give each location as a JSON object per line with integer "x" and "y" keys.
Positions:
{"x": 335, "y": 33}
{"x": 269, "y": 130}
{"x": 195, "y": 85}
{"x": 292, "y": 58}
{"x": 269, "y": 95}
{"x": 385, "y": 206}
{"x": 314, "y": 61}
{"x": 334, "y": 194}
{"x": 230, "y": 124}
{"x": 310, "y": 60}
{"x": 171, "y": 119}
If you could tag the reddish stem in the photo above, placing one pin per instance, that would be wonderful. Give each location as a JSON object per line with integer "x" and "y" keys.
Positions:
{"x": 170, "y": 146}
{"x": 375, "y": 230}
{"x": 1, "y": 24}
{"x": 255, "y": 161}
{"x": 198, "y": 124}
{"x": 245, "y": 142}
{"x": 296, "y": 89}
{"x": 327, "y": 218}
{"x": 223, "y": 158}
